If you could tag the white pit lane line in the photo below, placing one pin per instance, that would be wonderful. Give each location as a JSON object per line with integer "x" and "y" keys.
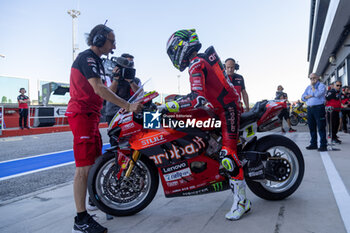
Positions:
{"x": 339, "y": 190}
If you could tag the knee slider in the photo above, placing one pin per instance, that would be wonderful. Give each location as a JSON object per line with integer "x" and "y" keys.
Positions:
{"x": 230, "y": 166}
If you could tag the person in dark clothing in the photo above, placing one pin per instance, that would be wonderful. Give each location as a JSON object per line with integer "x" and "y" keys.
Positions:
{"x": 123, "y": 88}
{"x": 333, "y": 97}
{"x": 280, "y": 95}
{"x": 345, "y": 104}
{"x": 23, "y": 102}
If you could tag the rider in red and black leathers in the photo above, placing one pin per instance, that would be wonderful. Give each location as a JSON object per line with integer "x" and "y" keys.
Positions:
{"x": 209, "y": 84}
{"x": 207, "y": 87}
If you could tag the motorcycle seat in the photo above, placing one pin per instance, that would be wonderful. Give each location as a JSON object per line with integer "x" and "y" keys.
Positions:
{"x": 254, "y": 114}
{"x": 247, "y": 118}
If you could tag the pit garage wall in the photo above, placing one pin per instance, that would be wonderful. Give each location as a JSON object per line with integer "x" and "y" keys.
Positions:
{"x": 340, "y": 70}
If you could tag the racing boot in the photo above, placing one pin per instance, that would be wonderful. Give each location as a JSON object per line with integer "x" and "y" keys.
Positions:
{"x": 241, "y": 204}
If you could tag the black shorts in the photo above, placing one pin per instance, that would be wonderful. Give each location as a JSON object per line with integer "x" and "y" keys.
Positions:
{"x": 284, "y": 114}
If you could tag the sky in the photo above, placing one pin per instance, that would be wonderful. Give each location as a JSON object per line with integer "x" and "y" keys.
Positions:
{"x": 268, "y": 39}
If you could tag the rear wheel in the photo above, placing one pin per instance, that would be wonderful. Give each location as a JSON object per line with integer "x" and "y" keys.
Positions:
{"x": 279, "y": 147}
{"x": 124, "y": 196}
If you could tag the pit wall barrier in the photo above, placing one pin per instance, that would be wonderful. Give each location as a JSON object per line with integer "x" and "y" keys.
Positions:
{"x": 2, "y": 123}
{"x": 41, "y": 120}
{"x": 38, "y": 116}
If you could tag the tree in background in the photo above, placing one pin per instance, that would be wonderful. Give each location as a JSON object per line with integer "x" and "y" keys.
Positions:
{"x": 4, "y": 99}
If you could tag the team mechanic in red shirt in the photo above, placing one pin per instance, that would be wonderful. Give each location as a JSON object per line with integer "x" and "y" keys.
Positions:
{"x": 206, "y": 86}
{"x": 237, "y": 81}
{"x": 87, "y": 91}
{"x": 333, "y": 97}
{"x": 23, "y": 102}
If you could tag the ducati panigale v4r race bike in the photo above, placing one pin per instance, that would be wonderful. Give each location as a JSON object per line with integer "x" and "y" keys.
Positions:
{"x": 298, "y": 115}
{"x": 125, "y": 179}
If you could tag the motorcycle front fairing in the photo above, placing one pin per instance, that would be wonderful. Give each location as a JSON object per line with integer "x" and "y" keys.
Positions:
{"x": 179, "y": 155}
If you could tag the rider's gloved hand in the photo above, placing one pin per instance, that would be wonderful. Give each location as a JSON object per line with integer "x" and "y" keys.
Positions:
{"x": 171, "y": 106}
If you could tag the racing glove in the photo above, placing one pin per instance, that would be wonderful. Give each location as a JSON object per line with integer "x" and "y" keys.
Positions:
{"x": 171, "y": 106}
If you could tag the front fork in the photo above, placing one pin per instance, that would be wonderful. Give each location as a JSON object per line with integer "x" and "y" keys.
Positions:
{"x": 135, "y": 156}
{"x": 126, "y": 163}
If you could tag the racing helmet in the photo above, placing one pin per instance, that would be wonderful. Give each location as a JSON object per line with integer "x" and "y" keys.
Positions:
{"x": 181, "y": 45}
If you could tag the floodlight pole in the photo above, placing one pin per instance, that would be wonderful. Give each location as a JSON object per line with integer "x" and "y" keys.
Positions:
{"x": 74, "y": 14}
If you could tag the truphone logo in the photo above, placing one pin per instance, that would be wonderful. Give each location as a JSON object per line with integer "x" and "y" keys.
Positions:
{"x": 151, "y": 120}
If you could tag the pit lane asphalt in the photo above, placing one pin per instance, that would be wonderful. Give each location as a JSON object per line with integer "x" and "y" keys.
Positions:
{"x": 312, "y": 208}
{"x": 25, "y": 146}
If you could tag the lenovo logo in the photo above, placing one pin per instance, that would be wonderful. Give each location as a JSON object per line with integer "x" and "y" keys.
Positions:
{"x": 173, "y": 168}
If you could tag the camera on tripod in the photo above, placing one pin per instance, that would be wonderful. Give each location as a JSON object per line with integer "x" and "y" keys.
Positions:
{"x": 126, "y": 70}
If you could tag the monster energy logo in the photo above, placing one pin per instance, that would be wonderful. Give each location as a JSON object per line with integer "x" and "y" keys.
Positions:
{"x": 217, "y": 186}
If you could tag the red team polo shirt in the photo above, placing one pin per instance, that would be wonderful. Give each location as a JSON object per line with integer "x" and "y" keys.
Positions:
{"x": 83, "y": 97}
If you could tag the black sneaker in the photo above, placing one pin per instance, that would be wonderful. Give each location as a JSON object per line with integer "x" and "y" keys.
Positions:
{"x": 322, "y": 148}
{"x": 88, "y": 225}
{"x": 336, "y": 141}
{"x": 311, "y": 147}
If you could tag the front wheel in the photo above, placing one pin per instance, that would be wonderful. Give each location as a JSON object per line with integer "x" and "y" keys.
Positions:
{"x": 279, "y": 147}
{"x": 124, "y": 196}
{"x": 294, "y": 120}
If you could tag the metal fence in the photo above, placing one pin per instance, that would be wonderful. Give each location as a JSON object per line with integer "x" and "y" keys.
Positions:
{"x": 37, "y": 117}
{"x": 57, "y": 116}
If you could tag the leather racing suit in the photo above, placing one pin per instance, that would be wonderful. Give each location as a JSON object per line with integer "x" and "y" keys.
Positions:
{"x": 206, "y": 86}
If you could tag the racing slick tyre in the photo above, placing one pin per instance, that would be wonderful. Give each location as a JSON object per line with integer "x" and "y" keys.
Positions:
{"x": 294, "y": 119}
{"x": 126, "y": 196}
{"x": 282, "y": 149}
